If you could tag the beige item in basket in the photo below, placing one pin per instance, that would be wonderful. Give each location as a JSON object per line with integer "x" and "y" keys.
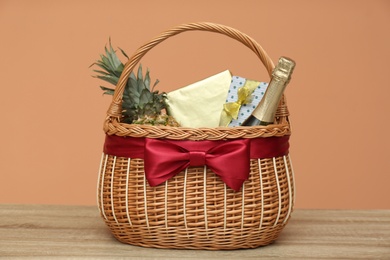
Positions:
{"x": 200, "y": 104}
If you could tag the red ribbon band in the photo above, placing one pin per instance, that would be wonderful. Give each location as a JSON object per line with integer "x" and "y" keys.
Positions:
{"x": 229, "y": 159}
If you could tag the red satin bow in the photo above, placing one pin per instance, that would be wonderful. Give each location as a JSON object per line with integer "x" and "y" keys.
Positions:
{"x": 228, "y": 159}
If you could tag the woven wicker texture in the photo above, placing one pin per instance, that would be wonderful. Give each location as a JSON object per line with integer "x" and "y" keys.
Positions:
{"x": 195, "y": 209}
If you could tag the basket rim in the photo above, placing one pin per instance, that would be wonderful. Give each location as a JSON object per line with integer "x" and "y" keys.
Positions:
{"x": 114, "y": 127}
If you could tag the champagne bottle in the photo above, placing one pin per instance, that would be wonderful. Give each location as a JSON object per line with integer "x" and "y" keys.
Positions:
{"x": 264, "y": 113}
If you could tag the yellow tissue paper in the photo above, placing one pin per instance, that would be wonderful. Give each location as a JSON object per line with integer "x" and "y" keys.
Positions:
{"x": 200, "y": 104}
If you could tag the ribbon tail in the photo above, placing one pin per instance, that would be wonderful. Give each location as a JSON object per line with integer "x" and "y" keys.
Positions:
{"x": 225, "y": 118}
{"x": 232, "y": 167}
{"x": 232, "y": 108}
{"x": 234, "y": 184}
{"x": 156, "y": 177}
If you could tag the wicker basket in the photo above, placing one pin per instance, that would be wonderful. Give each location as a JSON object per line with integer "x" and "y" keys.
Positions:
{"x": 195, "y": 209}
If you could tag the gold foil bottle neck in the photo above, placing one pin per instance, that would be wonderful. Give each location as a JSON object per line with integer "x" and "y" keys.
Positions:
{"x": 284, "y": 68}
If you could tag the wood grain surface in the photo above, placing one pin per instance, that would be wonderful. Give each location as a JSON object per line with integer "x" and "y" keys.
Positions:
{"x": 76, "y": 232}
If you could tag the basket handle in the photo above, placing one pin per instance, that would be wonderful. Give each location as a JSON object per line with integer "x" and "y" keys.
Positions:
{"x": 115, "y": 109}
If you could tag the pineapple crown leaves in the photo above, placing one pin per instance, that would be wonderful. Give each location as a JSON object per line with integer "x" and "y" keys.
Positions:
{"x": 110, "y": 68}
{"x": 139, "y": 98}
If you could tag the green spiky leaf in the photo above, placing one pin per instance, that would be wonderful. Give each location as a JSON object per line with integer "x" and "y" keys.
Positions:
{"x": 139, "y": 99}
{"x": 124, "y": 53}
{"x": 147, "y": 79}
{"x": 107, "y": 91}
{"x": 139, "y": 74}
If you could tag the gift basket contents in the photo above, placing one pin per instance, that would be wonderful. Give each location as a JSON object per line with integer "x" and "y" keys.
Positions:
{"x": 205, "y": 166}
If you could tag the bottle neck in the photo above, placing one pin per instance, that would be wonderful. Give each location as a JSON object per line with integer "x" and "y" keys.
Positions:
{"x": 265, "y": 111}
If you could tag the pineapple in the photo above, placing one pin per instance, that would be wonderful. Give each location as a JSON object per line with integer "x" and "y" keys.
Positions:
{"x": 140, "y": 103}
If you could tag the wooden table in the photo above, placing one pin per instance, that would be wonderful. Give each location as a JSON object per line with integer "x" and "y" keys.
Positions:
{"x": 76, "y": 232}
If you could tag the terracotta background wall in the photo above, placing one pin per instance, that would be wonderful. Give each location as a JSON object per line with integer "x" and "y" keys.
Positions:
{"x": 52, "y": 109}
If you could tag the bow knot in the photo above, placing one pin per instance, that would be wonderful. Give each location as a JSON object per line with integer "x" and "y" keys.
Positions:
{"x": 197, "y": 158}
